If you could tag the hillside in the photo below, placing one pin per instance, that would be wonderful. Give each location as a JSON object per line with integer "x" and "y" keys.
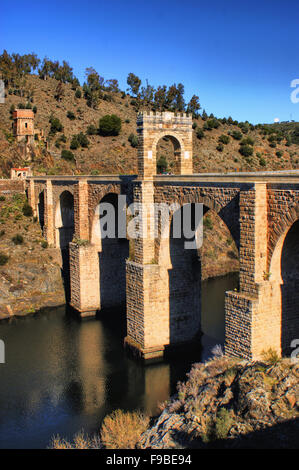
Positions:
{"x": 115, "y": 154}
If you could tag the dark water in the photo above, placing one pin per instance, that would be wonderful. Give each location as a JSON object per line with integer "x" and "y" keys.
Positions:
{"x": 62, "y": 375}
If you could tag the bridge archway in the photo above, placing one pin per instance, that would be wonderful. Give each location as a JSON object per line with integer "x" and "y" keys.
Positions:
{"x": 182, "y": 270}
{"x": 64, "y": 220}
{"x": 41, "y": 209}
{"x": 112, "y": 252}
{"x": 284, "y": 272}
{"x": 168, "y": 150}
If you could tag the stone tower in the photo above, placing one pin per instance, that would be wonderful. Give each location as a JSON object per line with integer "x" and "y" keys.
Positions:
{"x": 23, "y": 125}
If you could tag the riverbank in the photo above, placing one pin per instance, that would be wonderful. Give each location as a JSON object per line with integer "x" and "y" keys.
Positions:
{"x": 226, "y": 403}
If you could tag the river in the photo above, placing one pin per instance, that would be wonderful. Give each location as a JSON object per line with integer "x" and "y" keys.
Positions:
{"x": 62, "y": 375}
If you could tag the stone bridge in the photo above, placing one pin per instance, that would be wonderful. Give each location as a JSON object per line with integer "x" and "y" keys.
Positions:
{"x": 155, "y": 277}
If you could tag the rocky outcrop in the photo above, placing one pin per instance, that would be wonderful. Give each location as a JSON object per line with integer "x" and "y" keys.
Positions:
{"x": 225, "y": 403}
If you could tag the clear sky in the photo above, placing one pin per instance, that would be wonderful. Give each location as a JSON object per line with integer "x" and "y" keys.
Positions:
{"x": 239, "y": 57}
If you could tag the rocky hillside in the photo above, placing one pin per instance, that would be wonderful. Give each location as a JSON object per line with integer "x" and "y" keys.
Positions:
{"x": 30, "y": 274}
{"x": 230, "y": 404}
{"x": 115, "y": 154}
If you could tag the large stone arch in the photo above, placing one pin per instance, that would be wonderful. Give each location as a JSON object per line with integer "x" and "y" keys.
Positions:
{"x": 41, "y": 205}
{"x": 64, "y": 219}
{"x": 284, "y": 277}
{"x": 278, "y": 231}
{"x": 112, "y": 253}
{"x": 178, "y": 147}
{"x": 226, "y": 208}
{"x": 96, "y": 193}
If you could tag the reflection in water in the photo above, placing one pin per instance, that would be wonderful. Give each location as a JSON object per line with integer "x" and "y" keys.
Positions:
{"x": 62, "y": 375}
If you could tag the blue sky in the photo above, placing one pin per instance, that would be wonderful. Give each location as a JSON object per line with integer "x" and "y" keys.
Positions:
{"x": 239, "y": 57}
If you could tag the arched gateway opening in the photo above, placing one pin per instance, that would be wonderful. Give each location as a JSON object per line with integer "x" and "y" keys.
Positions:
{"x": 168, "y": 155}
{"x": 41, "y": 209}
{"x": 64, "y": 220}
{"x": 290, "y": 288}
{"x": 113, "y": 250}
{"x": 64, "y": 231}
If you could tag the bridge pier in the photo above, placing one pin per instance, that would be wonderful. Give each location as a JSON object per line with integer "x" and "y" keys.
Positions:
{"x": 84, "y": 268}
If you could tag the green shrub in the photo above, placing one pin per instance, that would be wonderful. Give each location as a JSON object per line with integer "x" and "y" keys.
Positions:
{"x": 246, "y": 150}
{"x": 224, "y": 139}
{"x": 109, "y": 125}
{"x": 34, "y": 109}
{"x": 200, "y": 134}
{"x": 133, "y": 139}
{"x": 279, "y": 154}
{"x": 162, "y": 165}
{"x": 56, "y": 125}
{"x": 237, "y": 135}
{"x": 67, "y": 155}
{"x": 78, "y": 93}
{"x": 271, "y": 356}
{"x": 74, "y": 145}
{"x": 211, "y": 124}
{"x": 18, "y": 239}
{"x": 3, "y": 258}
{"x": 262, "y": 161}
{"x": 91, "y": 130}
{"x": 71, "y": 115}
{"x": 44, "y": 244}
{"x": 247, "y": 141}
{"x": 223, "y": 423}
{"x": 194, "y": 125}
{"x": 2, "y": 198}
{"x": 220, "y": 147}
{"x": 27, "y": 210}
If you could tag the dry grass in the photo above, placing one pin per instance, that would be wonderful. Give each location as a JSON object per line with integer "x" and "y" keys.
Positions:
{"x": 122, "y": 430}
{"x": 80, "y": 441}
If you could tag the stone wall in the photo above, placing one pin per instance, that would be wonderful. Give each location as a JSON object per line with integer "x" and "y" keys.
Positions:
{"x": 11, "y": 186}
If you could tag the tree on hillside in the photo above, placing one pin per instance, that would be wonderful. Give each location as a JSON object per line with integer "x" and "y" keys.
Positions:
{"x": 93, "y": 88}
{"x": 193, "y": 106}
{"x": 134, "y": 83}
{"x": 48, "y": 68}
{"x": 64, "y": 73}
{"x": 112, "y": 85}
{"x": 175, "y": 98}
{"x": 59, "y": 92}
{"x": 147, "y": 94}
{"x": 160, "y": 98}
